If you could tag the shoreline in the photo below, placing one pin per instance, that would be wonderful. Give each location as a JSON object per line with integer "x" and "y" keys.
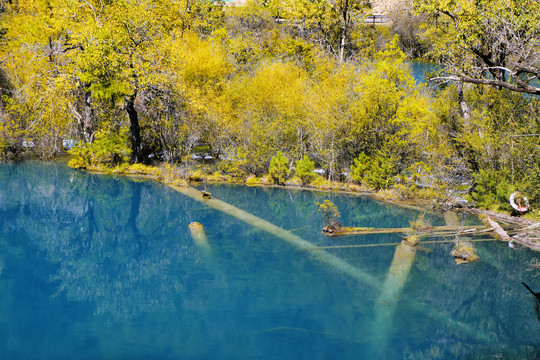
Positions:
{"x": 169, "y": 176}
{"x": 149, "y": 172}
{"x": 515, "y": 222}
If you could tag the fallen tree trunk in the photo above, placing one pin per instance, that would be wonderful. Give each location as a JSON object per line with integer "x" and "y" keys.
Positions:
{"x": 361, "y": 231}
{"x": 497, "y": 229}
{"x": 389, "y": 297}
{"x": 502, "y": 218}
{"x": 323, "y": 256}
{"x": 526, "y": 240}
{"x": 282, "y": 234}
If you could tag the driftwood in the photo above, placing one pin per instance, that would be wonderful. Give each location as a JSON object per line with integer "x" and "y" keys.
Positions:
{"x": 526, "y": 240}
{"x": 523, "y": 237}
{"x": 531, "y": 227}
{"x": 364, "y": 231}
{"x": 417, "y": 247}
{"x": 502, "y": 218}
{"x": 497, "y": 229}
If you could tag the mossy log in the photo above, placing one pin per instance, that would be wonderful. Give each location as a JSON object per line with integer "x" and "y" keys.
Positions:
{"x": 341, "y": 231}
{"x": 464, "y": 252}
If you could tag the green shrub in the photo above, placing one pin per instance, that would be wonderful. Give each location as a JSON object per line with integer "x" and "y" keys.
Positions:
{"x": 109, "y": 148}
{"x": 360, "y": 168}
{"x": 304, "y": 170}
{"x": 253, "y": 181}
{"x": 492, "y": 190}
{"x": 295, "y": 181}
{"x": 278, "y": 169}
{"x": 197, "y": 175}
{"x": 531, "y": 185}
{"x": 234, "y": 168}
{"x": 321, "y": 183}
{"x": 217, "y": 176}
{"x": 377, "y": 171}
{"x": 382, "y": 171}
{"x": 329, "y": 212}
{"x": 141, "y": 169}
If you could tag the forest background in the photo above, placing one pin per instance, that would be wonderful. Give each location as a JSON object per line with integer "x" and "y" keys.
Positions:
{"x": 281, "y": 88}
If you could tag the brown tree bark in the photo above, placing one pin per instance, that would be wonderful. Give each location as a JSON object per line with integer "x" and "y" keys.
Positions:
{"x": 134, "y": 128}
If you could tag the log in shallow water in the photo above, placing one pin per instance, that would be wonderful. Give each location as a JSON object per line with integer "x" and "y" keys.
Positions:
{"x": 366, "y": 231}
{"x": 337, "y": 263}
{"x": 322, "y": 256}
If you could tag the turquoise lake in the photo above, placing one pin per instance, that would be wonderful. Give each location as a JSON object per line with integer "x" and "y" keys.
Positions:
{"x": 101, "y": 267}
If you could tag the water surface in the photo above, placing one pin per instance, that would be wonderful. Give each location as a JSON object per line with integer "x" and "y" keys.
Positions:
{"x": 98, "y": 267}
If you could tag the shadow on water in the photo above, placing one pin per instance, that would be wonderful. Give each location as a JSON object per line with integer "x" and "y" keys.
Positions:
{"x": 102, "y": 267}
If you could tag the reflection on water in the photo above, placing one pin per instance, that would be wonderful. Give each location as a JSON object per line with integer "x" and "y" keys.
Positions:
{"x": 102, "y": 267}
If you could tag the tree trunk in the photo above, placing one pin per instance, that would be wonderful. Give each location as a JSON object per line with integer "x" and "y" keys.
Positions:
{"x": 464, "y": 108}
{"x": 86, "y": 121}
{"x": 134, "y": 128}
{"x": 497, "y": 229}
{"x": 345, "y": 14}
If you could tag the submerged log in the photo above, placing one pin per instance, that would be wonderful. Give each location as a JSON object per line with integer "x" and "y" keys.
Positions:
{"x": 330, "y": 259}
{"x": 390, "y": 295}
{"x": 282, "y": 234}
{"x": 451, "y": 219}
{"x": 325, "y": 257}
{"x": 199, "y": 237}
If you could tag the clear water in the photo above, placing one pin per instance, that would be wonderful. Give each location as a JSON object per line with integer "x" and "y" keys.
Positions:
{"x": 421, "y": 70}
{"x": 97, "y": 267}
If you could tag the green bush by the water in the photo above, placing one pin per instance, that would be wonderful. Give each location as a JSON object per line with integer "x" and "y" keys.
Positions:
{"x": 109, "y": 148}
{"x": 492, "y": 190}
{"x": 304, "y": 169}
{"x": 377, "y": 171}
{"x": 278, "y": 169}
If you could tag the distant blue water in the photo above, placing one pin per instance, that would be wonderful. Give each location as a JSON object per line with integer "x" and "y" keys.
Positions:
{"x": 97, "y": 267}
{"x": 421, "y": 70}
